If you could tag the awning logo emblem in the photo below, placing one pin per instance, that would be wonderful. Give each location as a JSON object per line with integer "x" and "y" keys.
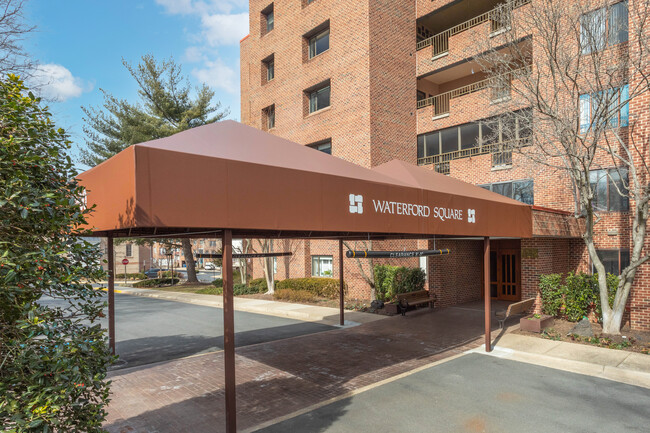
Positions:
{"x": 356, "y": 203}
{"x": 471, "y": 215}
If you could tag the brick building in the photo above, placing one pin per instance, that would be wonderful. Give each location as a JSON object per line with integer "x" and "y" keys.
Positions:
{"x": 370, "y": 81}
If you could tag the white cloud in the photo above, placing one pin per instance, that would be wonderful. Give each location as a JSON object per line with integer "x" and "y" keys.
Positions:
{"x": 193, "y": 54}
{"x": 218, "y": 75}
{"x": 222, "y": 29}
{"x": 56, "y": 82}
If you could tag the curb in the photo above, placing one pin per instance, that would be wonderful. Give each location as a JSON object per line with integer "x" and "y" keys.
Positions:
{"x": 617, "y": 374}
{"x": 298, "y": 315}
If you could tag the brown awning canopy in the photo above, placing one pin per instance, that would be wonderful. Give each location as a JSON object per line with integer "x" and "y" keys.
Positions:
{"x": 230, "y": 176}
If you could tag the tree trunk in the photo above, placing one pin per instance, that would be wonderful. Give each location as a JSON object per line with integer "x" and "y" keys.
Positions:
{"x": 267, "y": 247}
{"x": 243, "y": 263}
{"x": 189, "y": 261}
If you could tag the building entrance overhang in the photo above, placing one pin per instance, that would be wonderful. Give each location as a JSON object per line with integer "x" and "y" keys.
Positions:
{"x": 231, "y": 180}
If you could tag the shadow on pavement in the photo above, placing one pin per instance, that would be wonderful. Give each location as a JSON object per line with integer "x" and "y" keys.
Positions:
{"x": 278, "y": 378}
{"x": 148, "y": 350}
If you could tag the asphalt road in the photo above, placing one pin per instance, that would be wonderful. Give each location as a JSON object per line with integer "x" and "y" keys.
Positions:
{"x": 478, "y": 393}
{"x": 151, "y": 330}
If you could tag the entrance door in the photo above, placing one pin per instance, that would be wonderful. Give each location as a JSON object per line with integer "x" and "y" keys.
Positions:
{"x": 508, "y": 275}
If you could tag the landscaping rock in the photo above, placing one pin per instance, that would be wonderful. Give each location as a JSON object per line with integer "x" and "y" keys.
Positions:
{"x": 583, "y": 329}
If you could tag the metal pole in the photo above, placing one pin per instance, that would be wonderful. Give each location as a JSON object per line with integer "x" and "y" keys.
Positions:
{"x": 341, "y": 284}
{"x": 111, "y": 295}
{"x": 229, "y": 333}
{"x": 487, "y": 295}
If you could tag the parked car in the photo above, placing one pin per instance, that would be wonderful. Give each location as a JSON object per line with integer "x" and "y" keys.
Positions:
{"x": 152, "y": 273}
{"x": 209, "y": 266}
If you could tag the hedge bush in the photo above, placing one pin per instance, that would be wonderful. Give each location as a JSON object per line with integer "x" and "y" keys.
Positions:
{"x": 575, "y": 297}
{"x": 391, "y": 280}
{"x": 155, "y": 282}
{"x": 294, "y": 295}
{"x": 168, "y": 274}
{"x": 552, "y": 293}
{"x": 132, "y": 276}
{"x": 243, "y": 289}
{"x": 321, "y": 287}
{"x": 218, "y": 282}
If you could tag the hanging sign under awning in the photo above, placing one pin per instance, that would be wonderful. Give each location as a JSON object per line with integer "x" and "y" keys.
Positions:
{"x": 395, "y": 254}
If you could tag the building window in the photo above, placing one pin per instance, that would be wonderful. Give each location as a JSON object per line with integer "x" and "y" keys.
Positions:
{"x": 614, "y": 260}
{"x": 268, "y": 69}
{"x": 610, "y": 104}
{"x": 610, "y": 190}
{"x": 494, "y": 130}
{"x": 604, "y": 26}
{"x": 321, "y": 266}
{"x": 129, "y": 250}
{"x": 319, "y": 43}
{"x": 520, "y": 190}
{"x": 324, "y": 146}
{"x": 319, "y": 98}
{"x": 268, "y": 19}
{"x": 268, "y": 117}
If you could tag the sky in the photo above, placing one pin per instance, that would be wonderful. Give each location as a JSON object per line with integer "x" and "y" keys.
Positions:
{"x": 80, "y": 44}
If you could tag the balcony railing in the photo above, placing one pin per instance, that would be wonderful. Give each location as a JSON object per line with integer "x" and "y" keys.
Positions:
{"x": 501, "y": 154}
{"x": 499, "y": 17}
{"x": 440, "y": 102}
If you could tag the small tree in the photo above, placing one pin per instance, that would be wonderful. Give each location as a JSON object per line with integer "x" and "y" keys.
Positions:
{"x": 572, "y": 64}
{"x": 52, "y": 358}
{"x": 266, "y": 246}
{"x": 369, "y": 276}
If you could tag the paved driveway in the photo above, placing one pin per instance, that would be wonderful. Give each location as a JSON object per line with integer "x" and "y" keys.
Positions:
{"x": 479, "y": 393}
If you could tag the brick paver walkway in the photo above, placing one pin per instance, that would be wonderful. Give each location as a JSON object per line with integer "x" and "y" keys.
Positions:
{"x": 281, "y": 377}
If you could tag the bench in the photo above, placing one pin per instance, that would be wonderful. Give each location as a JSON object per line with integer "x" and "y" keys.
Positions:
{"x": 404, "y": 300}
{"x": 516, "y": 308}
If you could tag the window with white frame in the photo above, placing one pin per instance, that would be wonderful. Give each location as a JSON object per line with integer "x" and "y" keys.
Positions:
{"x": 321, "y": 266}
{"x": 319, "y": 98}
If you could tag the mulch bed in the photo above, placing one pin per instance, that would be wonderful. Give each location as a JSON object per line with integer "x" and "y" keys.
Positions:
{"x": 629, "y": 340}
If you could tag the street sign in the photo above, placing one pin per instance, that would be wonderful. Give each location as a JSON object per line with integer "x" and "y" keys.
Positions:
{"x": 125, "y": 262}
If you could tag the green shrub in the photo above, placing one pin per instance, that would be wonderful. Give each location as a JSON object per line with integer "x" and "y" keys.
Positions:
{"x": 408, "y": 280}
{"x": 133, "y": 276}
{"x": 155, "y": 282}
{"x": 384, "y": 276}
{"x": 580, "y": 292}
{"x": 243, "y": 289}
{"x": 391, "y": 280}
{"x": 218, "y": 282}
{"x": 552, "y": 292}
{"x": 294, "y": 295}
{"x": 577, "y": 295}
{"x": 261, "y": 284}
{"x": 321, "y": 287}
{"x": 168, "y": 274}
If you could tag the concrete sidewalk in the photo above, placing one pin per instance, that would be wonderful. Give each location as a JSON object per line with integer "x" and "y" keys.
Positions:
{"x": 618, "y": 365}
{"x": 309, "y": 313}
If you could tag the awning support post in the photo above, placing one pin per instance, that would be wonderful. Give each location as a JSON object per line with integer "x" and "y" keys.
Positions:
{"x": 111, "y": 294}
{"x": 341, "y": 285}
{"x": 229, "y": 333}
{"x": 487, "y": 294}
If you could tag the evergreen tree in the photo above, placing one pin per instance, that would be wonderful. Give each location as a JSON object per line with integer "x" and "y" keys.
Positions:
{"x": 166, "y": 107}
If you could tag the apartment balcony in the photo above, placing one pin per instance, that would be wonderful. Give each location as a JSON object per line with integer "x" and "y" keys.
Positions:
{"x": 465, "y": 99}
{"x": 501, "y": 155}
{"x": 439, "y": 49}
